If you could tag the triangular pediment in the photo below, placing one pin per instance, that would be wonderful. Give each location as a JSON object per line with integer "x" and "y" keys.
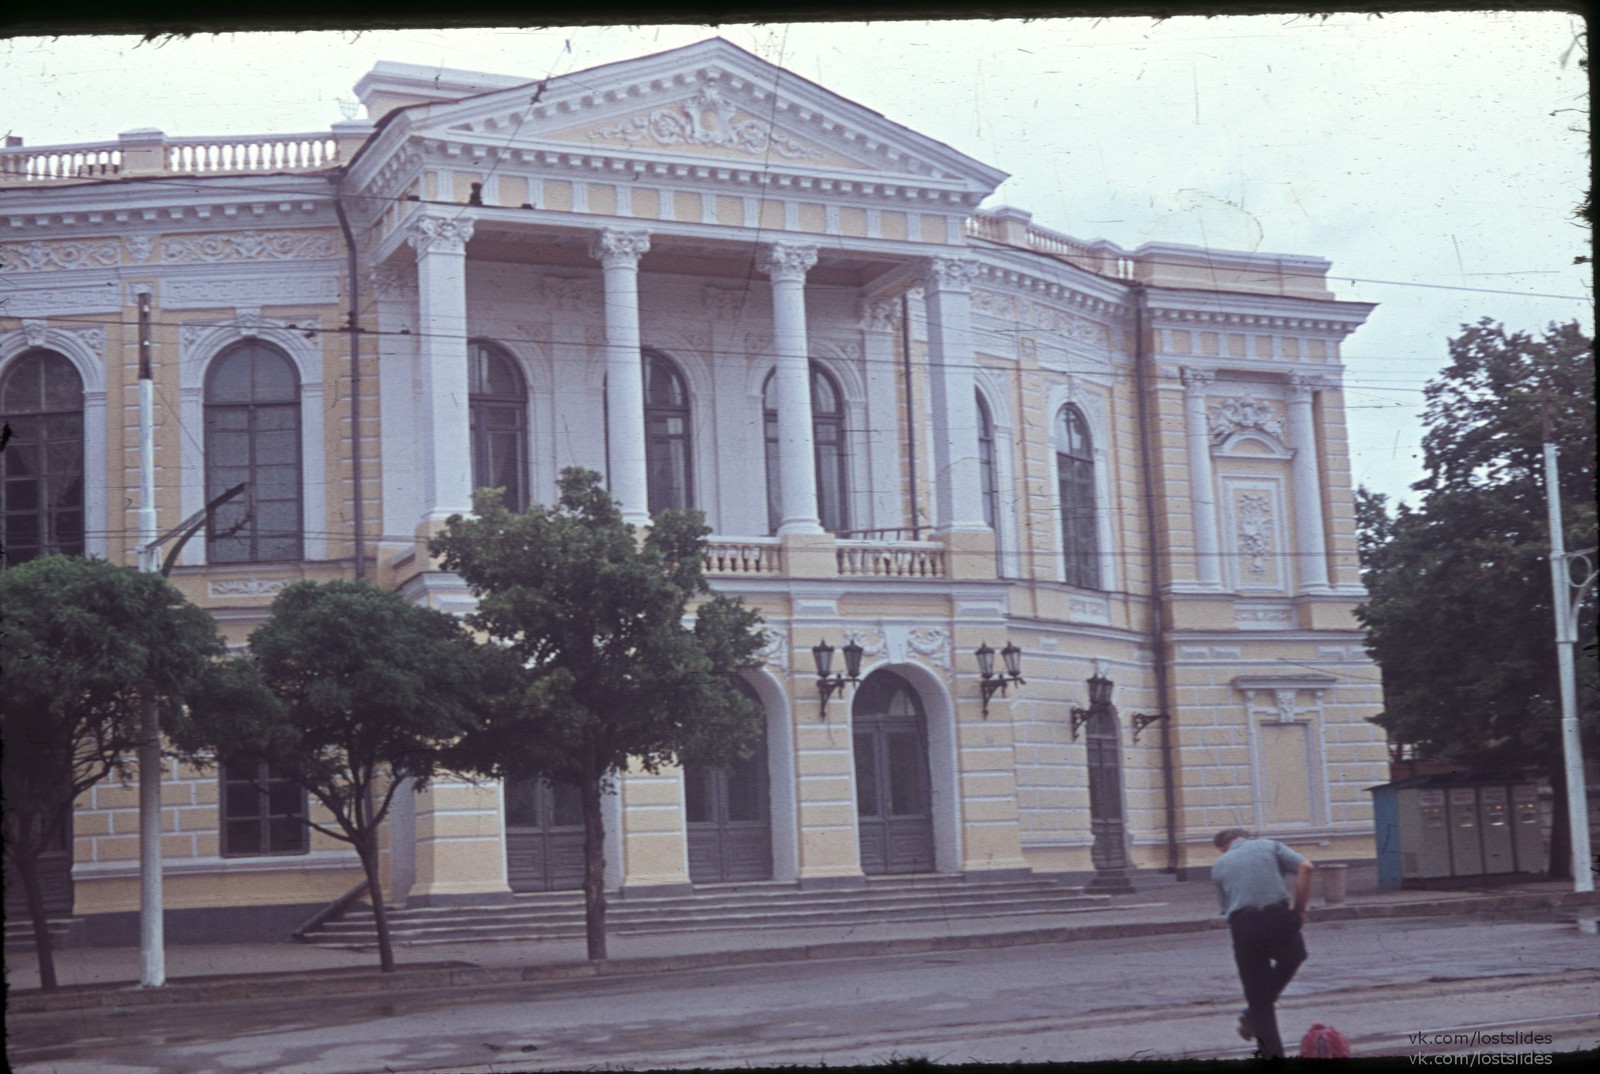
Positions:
{"x": 708, "y": 103}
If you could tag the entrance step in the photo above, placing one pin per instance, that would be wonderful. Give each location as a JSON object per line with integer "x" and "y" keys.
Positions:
{"x": 559, "y": 915}
{"x": 64, "y": 932}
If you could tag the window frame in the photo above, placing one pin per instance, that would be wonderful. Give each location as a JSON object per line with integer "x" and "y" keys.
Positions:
{"x": 254, "y": 410}
{"x": 837, "y": 421}
{"x": 482, "y": 405}
{"x": 654, "y": 442}
{"x": 262, "y": 780}
{"x": 1077, "y": 499}
{"x": 47, "y": 517}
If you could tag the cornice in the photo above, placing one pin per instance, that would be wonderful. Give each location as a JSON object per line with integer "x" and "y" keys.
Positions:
{"x": 1225, "y": 309}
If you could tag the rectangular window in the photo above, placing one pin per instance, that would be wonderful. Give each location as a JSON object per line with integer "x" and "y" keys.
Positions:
{"x": 263, "y": 811}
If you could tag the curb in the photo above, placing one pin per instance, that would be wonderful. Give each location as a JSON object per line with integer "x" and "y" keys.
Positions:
{"x": 354, "y": 982}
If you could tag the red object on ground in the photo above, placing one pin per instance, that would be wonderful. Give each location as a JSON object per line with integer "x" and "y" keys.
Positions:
{"x": 1324, "y": 1042}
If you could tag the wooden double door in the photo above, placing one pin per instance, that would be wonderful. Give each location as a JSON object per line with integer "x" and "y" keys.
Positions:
{"x": 728, "y": 817}
{"x": 894, "y": 805}
{"x": 544, "y": 835}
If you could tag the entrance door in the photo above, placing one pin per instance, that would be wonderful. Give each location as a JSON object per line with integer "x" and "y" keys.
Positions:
{"x": 729, "y": 820}
{"x": 893, "y": 806}
{"x": 1105, "y": 792}
{"x": 544, "y": 836}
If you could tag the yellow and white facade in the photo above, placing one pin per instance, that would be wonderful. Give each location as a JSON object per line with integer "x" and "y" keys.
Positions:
{"x": 913, "y": 424}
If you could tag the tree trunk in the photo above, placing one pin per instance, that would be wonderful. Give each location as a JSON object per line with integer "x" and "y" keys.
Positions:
{"x": 27, "y": 865}
{"x": 367, "y": 849}
{"x": 1560, "y": 825}
{"x": 594, "y": 869}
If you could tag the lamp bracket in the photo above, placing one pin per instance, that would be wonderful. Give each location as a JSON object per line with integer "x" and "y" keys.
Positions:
{"x": 1142, "y": 720}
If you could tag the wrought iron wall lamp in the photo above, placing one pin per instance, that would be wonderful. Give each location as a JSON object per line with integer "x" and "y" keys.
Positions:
{"x": 991, "y": 683}
{"x": 829, "y": 683}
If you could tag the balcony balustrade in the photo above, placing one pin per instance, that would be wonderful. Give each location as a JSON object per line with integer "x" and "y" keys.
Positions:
{"x": 878, "y": 557}
{"x": 144, "y": 153}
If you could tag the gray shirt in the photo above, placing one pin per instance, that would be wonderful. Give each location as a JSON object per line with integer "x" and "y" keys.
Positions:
{"x": 1250, "y": 874}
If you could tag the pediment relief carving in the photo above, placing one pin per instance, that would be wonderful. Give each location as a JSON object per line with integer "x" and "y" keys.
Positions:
{"x": 707, "y": 119}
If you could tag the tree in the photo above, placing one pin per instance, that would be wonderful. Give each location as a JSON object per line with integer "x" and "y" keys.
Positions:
{"x": 350, "y": 691}
{"x": 87, "y": 644}
{"x": 1460, "y": 615}
{"x": 605, "y": 670}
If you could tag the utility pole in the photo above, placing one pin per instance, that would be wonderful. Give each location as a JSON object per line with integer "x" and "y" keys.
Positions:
{"x": 152, "y": 941}
{"x": 1569, "y": 596}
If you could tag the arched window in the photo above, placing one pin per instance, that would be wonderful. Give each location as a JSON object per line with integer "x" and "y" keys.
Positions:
{"x": 829, "y": 446}
{"x": 666, "y": 433}
{"x": 41, "y": 396}
{"x": 497, "y": 405}
{"x": 1075, "y": 477}
{"x": 252, "y": 433}
{"x": 988, "y": 485}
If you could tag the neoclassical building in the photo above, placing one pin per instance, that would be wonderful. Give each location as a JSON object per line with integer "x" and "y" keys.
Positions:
{"x": 918, "y": 428}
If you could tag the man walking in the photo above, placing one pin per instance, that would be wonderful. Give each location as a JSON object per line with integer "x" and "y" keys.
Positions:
{"x": 1267, "y": 945}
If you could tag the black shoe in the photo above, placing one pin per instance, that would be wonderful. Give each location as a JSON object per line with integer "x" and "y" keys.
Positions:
{"x": 1246, "y": 1030}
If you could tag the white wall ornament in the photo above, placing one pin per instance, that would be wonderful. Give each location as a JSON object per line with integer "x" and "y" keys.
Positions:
{"x": 872, "y": 642}
{"x": 1232, "y": 415}
{"x": 391, "y": 276}
{"x": 139, "y": 247}
{"x": 246, "y": 587}
{"x": 60, "y": 301}
{"x": 37, "y": 256}
{"x": 775, "y": 650}
{"x": 211, "y": 292}
{"x": 931, "y": 643}
{"x": 33, "y": 331}
{"x": 247, "y": 246}
{"x": 1254, "y": 514}
{"x": 880, "y": 315}
{"x": 708, "y": 119}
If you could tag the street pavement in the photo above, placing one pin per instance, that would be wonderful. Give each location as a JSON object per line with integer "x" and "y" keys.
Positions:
{"x": 107, "y": 976}
{"x": 1417, "y": 988}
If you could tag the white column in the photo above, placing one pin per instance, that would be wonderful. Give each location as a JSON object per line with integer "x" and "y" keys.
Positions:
{"x": 618, "y": 252}
{"x": 1310, "y": 546}
{"x": 958, "y": 495}
{"x": 1202, "y": 481}
{"x": 787, "y": 266}
{"x": 441, "y": 245}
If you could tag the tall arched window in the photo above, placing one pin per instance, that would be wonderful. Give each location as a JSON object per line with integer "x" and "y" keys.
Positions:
{"x": 1080, "y": 542}
{"x": 988, "y": 485}
{"x": 252, "y": 433}
{"x": 667, "y": 435}
{"x": 41, "y": 397}
{"x": 829, "y": 445}
{"x": 497, "y": 405}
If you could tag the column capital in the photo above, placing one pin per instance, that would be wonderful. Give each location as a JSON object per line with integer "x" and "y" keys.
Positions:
{"x": 445, "y": 234}
{"x": 880, "y": 314}
{"x": 1196, "y": 380}
{"x": 615, "y": 248}
{"x": 952, "y": 274}
{"x": 784, "y": 261}
{"x": 1302, "y": 385}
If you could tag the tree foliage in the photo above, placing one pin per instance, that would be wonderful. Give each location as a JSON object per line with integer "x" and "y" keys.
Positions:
{"x": 87, "y": 644}
{"x": 350, "y": 690}
{"x": 604, "y": 670}
{"x": 1460, "y": 616}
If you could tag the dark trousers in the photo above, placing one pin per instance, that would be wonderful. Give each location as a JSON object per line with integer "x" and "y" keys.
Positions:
{"x": 1267, "y": 948}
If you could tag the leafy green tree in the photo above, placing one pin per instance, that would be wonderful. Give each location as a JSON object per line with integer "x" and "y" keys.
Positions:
{"x": 351, "y": 691}
{"x": 605, "y": 669}
{"x": 1460, "y": 615}
{"x": 87, "y": 644}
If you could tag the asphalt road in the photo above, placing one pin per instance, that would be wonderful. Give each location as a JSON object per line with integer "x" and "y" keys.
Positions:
{"x": 1380, "y": 981}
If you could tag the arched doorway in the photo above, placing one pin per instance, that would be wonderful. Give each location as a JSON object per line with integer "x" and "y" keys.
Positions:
{"x": 544, "y": 835}
{"x": 894, "y": 809}
{"x": 729, "y": 817}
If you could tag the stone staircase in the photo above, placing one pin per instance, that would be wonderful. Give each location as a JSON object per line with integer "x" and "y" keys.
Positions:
{"x": 559, "y": 915}
{"x": 64, "y": 932}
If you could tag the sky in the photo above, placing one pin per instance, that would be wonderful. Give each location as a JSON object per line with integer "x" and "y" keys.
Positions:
{"x": 1435, "y": 158}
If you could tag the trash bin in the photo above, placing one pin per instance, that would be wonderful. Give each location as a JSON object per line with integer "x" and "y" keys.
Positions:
{"x": 1334, "y": 876}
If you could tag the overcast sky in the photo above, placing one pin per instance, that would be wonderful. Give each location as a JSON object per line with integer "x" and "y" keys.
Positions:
{"x": 1435, "y": 159}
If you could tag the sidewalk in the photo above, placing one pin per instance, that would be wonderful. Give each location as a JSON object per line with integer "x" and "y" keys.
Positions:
{"x": 107, "y": 976}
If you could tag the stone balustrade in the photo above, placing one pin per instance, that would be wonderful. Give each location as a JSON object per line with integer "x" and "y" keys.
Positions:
{"x": 742, "y": 555}
{"x": 150, "y": 152}
{"x": 891, "y": 559}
